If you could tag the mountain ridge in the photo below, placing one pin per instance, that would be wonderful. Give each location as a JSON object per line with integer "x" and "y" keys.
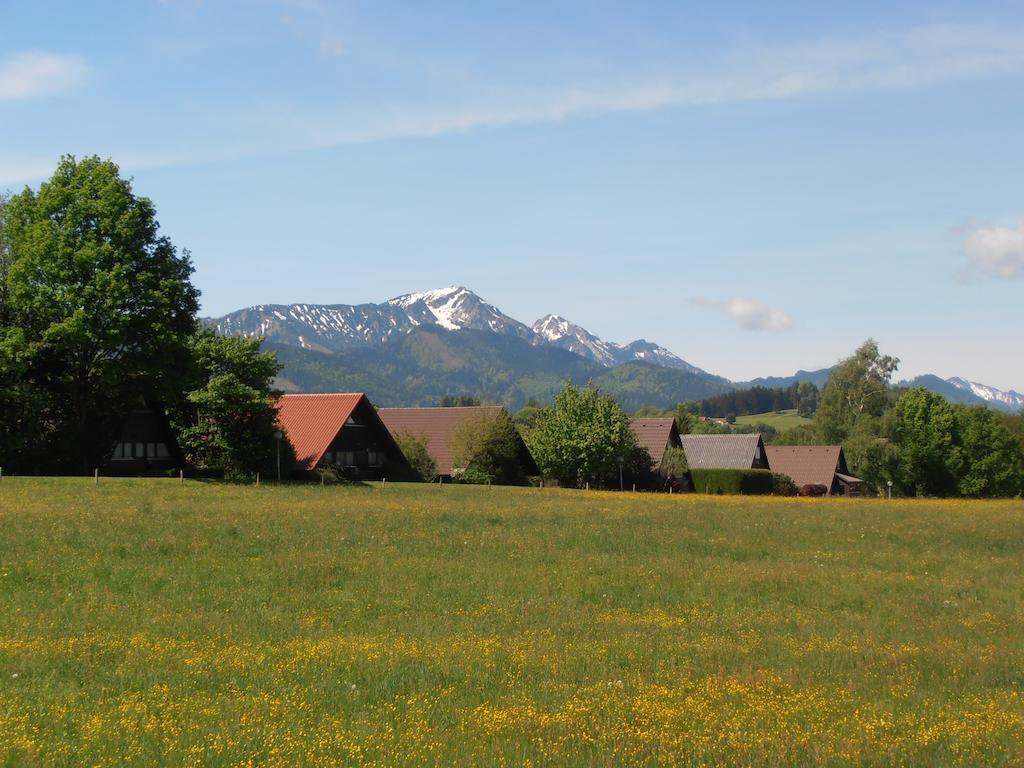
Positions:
{"x": 353, "y": 332}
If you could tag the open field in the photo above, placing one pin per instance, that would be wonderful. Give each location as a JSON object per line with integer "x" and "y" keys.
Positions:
{"x": 144, "y": 623}
{"x": 781, "y": 420}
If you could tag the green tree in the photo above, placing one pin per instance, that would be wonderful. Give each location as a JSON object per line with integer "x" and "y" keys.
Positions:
{"x": 992, "y": 456}
{"x": 805, "y": 398}
{"x": 417, "y": 453}
{"x": 685, "y": 416}
{"x": 459, "y": 401}
{"x": 229, "y": 424}
{"x": 803, "y": 434}
{"x": 487, "y": 448}
{"x": 98, "y": 306}
{"x": 674, "y": 463}
{"x": 938, "y": 448}
{"x": 582, "y": 437}
{"x": 858, "y": 388}
{"x": 928, "y": 456}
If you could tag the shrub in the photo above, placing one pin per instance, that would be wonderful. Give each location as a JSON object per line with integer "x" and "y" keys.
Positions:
{"x": 783, "y": 485}
{"x": 471, "y": 476}
{"x": 732, "y": 481}
{"x": 418, "y": 455}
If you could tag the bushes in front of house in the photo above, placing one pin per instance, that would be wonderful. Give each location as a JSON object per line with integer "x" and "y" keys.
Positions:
{"x": 732, "y": 481}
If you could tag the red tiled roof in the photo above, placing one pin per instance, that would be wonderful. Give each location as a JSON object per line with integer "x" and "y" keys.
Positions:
{"x": 313, "y": 421}
{"x": 654, "y": 434}
{"x": 807, "y": 464}
{"x": 436, "y": 426}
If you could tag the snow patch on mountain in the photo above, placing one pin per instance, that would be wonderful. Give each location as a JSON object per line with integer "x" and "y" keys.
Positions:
{"x": 560, "y": 332}
{"x": 457, "y": 308}
{"x": 1012, "y": 399}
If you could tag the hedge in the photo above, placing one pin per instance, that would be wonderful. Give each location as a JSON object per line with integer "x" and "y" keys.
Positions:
{"x": 732, "y": 481}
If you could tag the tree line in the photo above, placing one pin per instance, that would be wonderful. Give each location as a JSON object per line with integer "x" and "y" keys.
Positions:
{"x": 801, "y": 396}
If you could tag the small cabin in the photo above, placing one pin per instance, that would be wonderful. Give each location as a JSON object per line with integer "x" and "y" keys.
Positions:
{"x": 342, "y": 431}
{"x": 656, "y": 435}
{"x": 811, "y": 466}
{"x": 145, "y": 443}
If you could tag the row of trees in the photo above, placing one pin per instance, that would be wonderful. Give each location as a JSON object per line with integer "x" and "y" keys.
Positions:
{"x": 802, "y": 396}
{"x": 98, "y": 311}
{"x": 922, "y": 443}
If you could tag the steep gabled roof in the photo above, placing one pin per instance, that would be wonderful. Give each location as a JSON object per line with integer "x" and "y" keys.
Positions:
{"x": 438, "y": 425}
{"x": 655, "y": 434}
{"x": 808, "y": 464}
{"x": 722, "y": 451}
{"x": 313, "y": 421}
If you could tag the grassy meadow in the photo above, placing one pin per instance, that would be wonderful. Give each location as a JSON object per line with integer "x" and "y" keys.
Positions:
{"x": 147, "y": 623}
{"x": 781, "y": 420}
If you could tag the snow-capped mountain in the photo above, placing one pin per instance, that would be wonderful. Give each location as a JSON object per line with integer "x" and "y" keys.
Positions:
{"x": 337, "y": 327}
{"x": 364, "y": 329}
{"x": 457, "y": 308}
{"x": 1011, "y": 400}
{"x": 560, "y": 332}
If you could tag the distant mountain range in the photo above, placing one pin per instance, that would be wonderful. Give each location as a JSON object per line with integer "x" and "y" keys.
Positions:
{"x": 416, "y": 348}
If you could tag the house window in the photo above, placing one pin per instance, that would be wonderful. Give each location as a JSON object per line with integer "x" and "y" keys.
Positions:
{"x": 122, "y": 451}
{"x": 161, "y": 451}
{"x": 140, "y": 450}
{"x": 348, "y": 458}
{"x": 372, "y": 458}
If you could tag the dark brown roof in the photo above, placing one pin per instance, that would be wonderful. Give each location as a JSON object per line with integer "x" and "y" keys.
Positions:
{"x": 313, "y": 421}
{"x": 808, "y": 464}
{"x": 437, "y": 426}
{"x": 722, "y": 451}
{"x": 655, "y": 434}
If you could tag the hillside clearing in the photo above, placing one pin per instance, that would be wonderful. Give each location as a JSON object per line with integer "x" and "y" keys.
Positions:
{"x": 781, "y": 420}
{"x": 143, "y": 622}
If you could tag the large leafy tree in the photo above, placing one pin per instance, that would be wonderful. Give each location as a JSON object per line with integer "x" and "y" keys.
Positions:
{"x": 928, "y": 457}
{"x": 97, "y": 305}
{"x": 228, "y": 424}
{"x": 857, "y": 390}
{"x": 582, "y": 437}
{"x": 992, "y": 456}
{"x": 943, "y": 449}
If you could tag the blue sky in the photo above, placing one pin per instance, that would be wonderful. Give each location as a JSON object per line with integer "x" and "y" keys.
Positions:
{"x": 758, "y": 187}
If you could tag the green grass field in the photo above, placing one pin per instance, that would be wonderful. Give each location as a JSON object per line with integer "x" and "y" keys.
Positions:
{"x": 147, "y": 623}
{"x": 781, "y": 420}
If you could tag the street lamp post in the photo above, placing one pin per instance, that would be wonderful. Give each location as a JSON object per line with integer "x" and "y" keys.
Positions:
{"x": 277, "y": 438}
{"x": 889, "y": 483}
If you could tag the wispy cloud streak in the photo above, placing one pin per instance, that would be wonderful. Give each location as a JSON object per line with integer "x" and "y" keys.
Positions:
{"x": 31, "y": 74}
{"x": 881, "y": 61}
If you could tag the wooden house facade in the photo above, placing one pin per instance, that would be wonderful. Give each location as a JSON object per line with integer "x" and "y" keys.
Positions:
{"x": 145, "y": 444}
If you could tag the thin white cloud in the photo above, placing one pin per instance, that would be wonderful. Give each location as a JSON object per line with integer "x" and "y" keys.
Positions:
{"x": 996, "y": 250}
{"x": 750, "y": 314}
{"x": 882, "y": 61}
{"x": 31, "y": 74}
